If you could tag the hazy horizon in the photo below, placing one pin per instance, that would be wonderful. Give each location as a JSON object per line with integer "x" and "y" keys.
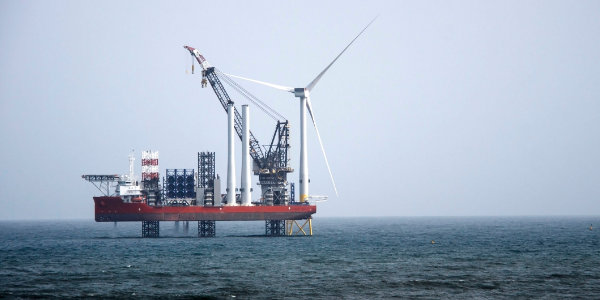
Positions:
{"x": 461, "y": 108}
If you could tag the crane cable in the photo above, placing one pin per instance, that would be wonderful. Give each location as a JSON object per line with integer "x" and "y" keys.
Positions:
{"x": 231, "y": 84}
{"x": 263, "y": 106}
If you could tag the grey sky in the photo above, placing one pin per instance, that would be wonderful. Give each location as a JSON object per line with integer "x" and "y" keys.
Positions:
{"x": 440, "y": 108}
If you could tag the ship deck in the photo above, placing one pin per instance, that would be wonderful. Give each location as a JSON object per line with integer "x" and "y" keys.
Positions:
{"x": 113, "y": 209}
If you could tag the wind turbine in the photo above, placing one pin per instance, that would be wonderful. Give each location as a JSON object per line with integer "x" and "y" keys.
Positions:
{"x": 304, "y": 95}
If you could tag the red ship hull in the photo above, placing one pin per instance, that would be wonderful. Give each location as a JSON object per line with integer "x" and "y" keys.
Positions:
{"x": 112, "y": 209}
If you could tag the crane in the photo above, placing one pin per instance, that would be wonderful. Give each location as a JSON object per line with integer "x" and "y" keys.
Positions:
{"x": 271, "y": 165}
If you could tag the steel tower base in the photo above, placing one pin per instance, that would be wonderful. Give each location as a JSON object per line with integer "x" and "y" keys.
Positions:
{"x": 275, "y": 227}
{"x": 304, "y": 229}
{"x": 206, "y": 228}
{"x": 150, "y": 229}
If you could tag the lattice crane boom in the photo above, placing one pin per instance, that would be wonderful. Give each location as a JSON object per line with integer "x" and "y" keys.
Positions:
{"x": 209, "y": 73}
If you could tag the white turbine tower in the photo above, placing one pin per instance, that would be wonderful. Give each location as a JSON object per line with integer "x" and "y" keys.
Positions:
{"x": 304, "y": 95}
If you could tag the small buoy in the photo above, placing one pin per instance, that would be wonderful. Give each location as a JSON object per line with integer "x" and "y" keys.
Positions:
{"x": 432, "y": 242}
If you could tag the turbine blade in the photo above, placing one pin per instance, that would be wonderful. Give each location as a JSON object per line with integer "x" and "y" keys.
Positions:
{"x": 309, "y": 106}
{"x": 312, "y": 84}
{"x": 276, "y": 86}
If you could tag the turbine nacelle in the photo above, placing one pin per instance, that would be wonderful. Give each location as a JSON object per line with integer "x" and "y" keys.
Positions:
{"x": 301, "y": 92}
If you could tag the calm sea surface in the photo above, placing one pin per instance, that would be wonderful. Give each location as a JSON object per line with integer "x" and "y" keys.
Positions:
{"x": 512, "y": 257}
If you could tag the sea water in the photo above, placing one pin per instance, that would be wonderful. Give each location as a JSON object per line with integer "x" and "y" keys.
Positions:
{"x": 350, "y": 258}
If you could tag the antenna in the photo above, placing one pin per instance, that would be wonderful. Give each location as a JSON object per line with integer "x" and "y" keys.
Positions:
{"x": 131, "y": 159}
